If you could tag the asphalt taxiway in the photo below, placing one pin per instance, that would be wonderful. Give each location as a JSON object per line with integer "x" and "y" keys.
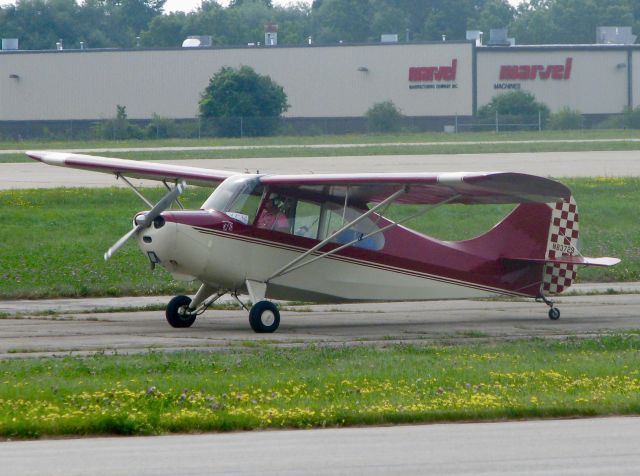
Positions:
{"x": 554, "y": 164}
{"x": 32, "y": 334}
{"x": 605, "y": 446}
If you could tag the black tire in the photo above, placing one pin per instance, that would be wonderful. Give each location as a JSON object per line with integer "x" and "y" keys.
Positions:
{"x": 176, "y": 315}
{"x": 264, "y": 317}
{"x": 554, "y": 313}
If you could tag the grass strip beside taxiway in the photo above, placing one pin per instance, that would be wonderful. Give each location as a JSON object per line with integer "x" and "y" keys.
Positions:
{"x": 52, "y": 241}
{"x": 262, "y": 387}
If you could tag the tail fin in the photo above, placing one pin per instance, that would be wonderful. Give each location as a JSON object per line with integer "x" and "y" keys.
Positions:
{"x": 538, "y": 243}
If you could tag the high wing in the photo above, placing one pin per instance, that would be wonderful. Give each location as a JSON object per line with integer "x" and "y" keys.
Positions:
{"x": 420, "y": 188}
{"x": 424, "y": 188}
{"x": 133, "y": 168}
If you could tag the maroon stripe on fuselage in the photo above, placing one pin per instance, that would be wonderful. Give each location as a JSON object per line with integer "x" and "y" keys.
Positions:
{"x": 365, "y": 263}
{"x": 405, "y": 252}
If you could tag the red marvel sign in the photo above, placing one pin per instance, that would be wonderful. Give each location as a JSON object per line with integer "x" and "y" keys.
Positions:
{"x": 537, "y": 71}
{"x": 433, "y": 73}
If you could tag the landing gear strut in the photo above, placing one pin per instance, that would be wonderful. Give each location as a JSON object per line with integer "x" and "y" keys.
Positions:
{"x": 264, "y": 316}
{"x": 554, "y": 312}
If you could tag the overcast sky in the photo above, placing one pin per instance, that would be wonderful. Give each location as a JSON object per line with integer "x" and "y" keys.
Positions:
{"x": 188, "y": 5}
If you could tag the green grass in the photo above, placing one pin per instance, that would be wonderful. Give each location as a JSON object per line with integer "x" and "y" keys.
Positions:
{"x": 295, "y": 145}
{"x": 264, "y": 387}
{"x": 52, "y": 241}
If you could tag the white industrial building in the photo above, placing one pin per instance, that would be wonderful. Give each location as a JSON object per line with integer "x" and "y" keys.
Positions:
{"x": 593, "y": 79}
{"x": 425, "y": 80}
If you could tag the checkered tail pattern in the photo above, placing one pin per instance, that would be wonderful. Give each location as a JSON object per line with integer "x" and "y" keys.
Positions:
{"x": 562, "y": 241}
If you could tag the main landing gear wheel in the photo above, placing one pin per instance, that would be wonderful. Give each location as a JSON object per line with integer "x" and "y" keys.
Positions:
{"x": 178, "y": 314}
{"x": 264, "y": 317}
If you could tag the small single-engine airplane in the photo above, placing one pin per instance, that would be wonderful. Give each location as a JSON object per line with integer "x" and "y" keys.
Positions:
{"x": 322, "y": 237}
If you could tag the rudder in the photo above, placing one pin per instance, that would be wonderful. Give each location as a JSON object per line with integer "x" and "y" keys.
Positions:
{"x": 562, "y": 242}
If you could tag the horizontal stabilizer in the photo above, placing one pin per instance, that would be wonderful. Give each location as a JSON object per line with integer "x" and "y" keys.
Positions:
{"x": 577, "y": 260}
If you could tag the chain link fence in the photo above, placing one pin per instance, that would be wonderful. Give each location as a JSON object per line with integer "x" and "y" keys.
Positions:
{"x": 500, "y": 123}
{"x": 162, "y": 128}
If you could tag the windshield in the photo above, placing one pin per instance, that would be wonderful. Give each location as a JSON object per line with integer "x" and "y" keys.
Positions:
{"x": 238, "y": 197}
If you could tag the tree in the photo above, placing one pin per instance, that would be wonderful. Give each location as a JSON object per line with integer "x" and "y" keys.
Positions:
{"x": 388, "y": 19}
{"x": 165, "y": 31}
{"x": 569, "y": 21}
{"x": 343, "y": 20}
{"x": 493, "y": 14}
{"x": 98, "y": 23}
{"x": 450, "y": 18}
{"x": 243, "y": 102}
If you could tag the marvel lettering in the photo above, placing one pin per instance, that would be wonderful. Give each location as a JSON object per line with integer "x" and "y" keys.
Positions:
{"x": 537, "y": 71}
{"x": 433, "y": 73}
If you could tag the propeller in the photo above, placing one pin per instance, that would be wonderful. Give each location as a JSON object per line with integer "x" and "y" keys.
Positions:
{"x": 147, "y": 219}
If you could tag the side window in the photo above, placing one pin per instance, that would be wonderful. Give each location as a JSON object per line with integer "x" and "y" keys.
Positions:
{"x": 333, "y": 221}
{"x": 307, "y": 219}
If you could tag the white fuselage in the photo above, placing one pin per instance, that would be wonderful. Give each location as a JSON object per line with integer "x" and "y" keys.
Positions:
{"x": 223, "y": 259}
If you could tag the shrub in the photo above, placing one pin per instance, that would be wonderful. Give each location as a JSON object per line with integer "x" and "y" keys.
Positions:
{"x": 118, "y": 128}
{"x": 384, "y": 117}
{"x": 565, "y": 119}
{"x": 631, "y": 118}
{"x": 188, "y": 129}
{"x": 615, "y": 121}
{"x": 514, "y": 103}
{"x": 161, "y": 128}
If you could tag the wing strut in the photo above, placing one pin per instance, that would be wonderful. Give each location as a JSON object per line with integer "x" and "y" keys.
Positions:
{"x": 169, "y": 188}
{"x": 291, "y": 267}
{"x": 133, "y": 187}
{"x": 286, "y": 268}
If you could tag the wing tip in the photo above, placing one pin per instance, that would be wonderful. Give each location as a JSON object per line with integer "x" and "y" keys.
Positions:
{"x": 47, "y": 157}
{"x": 35, "y": 155}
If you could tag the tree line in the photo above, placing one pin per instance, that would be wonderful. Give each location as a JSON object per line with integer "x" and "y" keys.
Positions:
{"x": 40, "y": 24}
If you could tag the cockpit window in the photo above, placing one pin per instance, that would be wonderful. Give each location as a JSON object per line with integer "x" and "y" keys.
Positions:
{"x": 277, "y": 213}
{"x": 311, "y": 219}
{"x": 238, "y": 197}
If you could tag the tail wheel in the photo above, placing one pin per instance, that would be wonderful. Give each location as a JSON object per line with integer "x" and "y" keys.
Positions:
{"x": 554, "y": 313}
{"x": 264, "y": 317}
{"x": 178, "y": 314}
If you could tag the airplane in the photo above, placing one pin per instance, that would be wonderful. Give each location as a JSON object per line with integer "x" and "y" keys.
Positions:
{"x": 323, "y": 237}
